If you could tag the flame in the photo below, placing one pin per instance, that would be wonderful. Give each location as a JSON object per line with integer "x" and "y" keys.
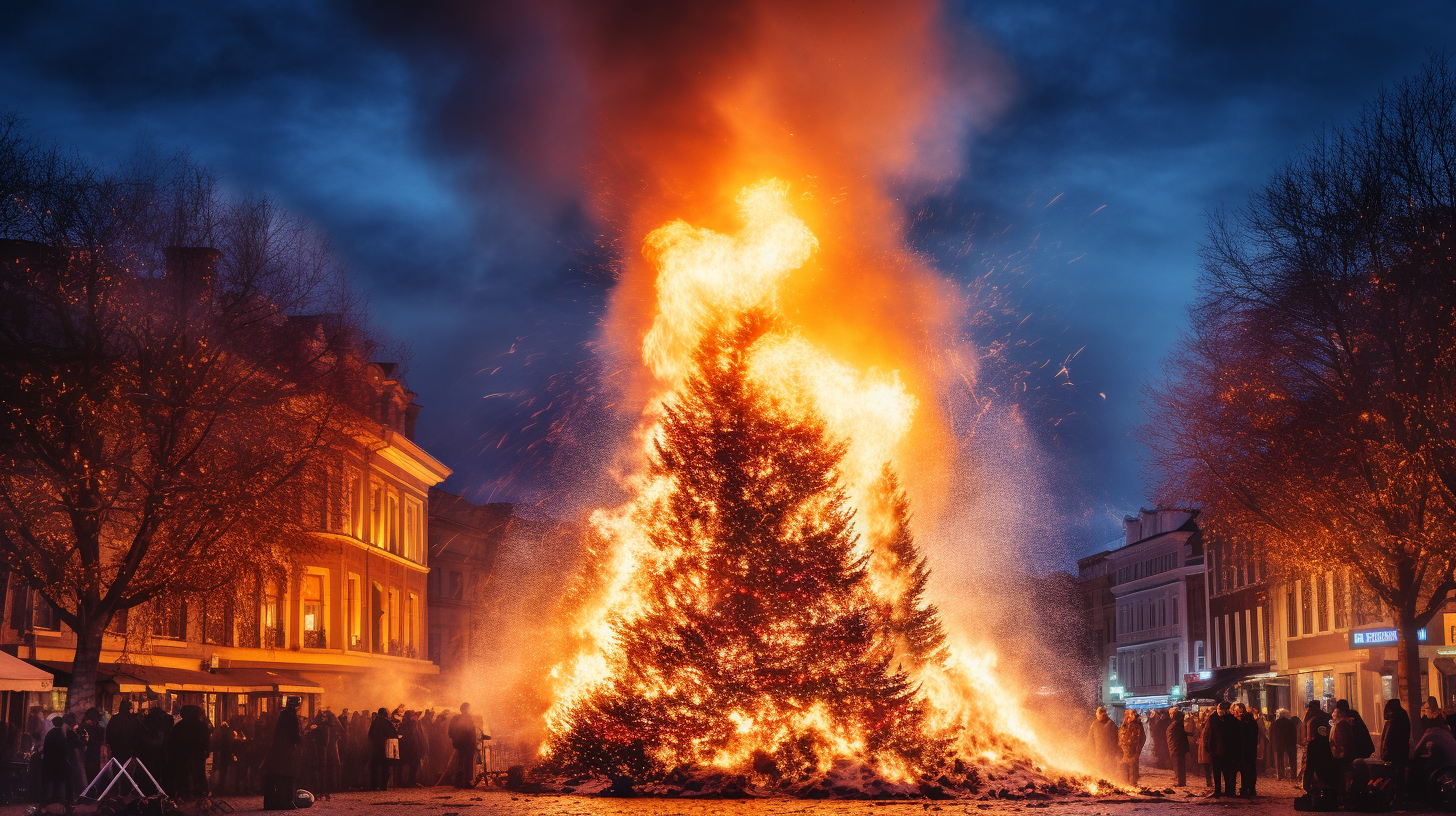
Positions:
{"x": 702, "y": 276}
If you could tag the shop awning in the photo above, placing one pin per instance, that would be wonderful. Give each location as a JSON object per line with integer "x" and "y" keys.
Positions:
{"x": 1444, "y": 665}
{"x": 129, "y": 678}
{"x": 18, "y": 675}
{"x": 282, "y": 682}
{"x": 1223, "y": 678}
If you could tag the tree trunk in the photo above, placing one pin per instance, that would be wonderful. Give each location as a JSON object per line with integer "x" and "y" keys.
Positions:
{"x": 1408, "y": 658}
{"x": 83, "y": 691}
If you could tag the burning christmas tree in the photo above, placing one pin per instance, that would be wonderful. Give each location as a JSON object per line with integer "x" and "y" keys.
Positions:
{"x": 759, "y": 607}
{"x": 761, "y": 642}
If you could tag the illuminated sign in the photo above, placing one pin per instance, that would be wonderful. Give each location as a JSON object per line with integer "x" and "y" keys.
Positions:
{"x": 1205, "y": 675}
{"x": 1176, "y": 691}
{"x": 1366, "y": 638}
{"x": 1117, "y": 690}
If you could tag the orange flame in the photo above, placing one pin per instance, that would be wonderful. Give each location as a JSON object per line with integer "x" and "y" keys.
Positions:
{"x": 696, "y": 105}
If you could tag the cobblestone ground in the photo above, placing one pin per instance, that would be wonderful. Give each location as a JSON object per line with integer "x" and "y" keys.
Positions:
{"x": 1274, "y": 798}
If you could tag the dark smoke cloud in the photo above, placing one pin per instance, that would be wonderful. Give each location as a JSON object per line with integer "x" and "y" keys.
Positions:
{"x": 402, "y": 128}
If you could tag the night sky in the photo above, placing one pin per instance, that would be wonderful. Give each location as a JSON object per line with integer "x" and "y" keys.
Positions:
{"x": 1085, "y": 198}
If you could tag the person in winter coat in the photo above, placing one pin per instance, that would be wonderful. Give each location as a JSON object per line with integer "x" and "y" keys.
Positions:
{"x": 1321, "y": 774}
{"x": 1130, "y": 738}
{"x": 381, "y": 731}
{"x": 1102, "y": 741}
{"x": 122, "y": 733}
{"x": 1176, "y": 744}
{"x": 280, "y": 768}
{"x": 224, "y": 743}
{"x": 152, "y": 741}
{"x": 463, "y": 739}
{"x": 1395, "y": 737}
{"x": 1208, "y": 752}
{"x": 1282, "y": 737}
{"x": 95, "y": 737}
{"x": 1228, "y": 754}
{"x": 1249, "y": 739}
{"x": 412, "y": 749}
{"x": 1157, "y": 725}
{"x": 76, "y": 742}
{"x": 1363, "y": 744}
{"x": 187, "y": 746}
{"x": 55, "y": 768}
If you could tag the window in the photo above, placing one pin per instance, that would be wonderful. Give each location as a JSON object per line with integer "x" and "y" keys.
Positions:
{"x": 354, "y": 610}
{"x": 412, "y": 625}
{"x": 169, "y": 620}
{"x": 378, "y": 624}
{"x": 1342, "y": 605}
{"x": 1291, "y": 615}
{"x": 457, "y": 586}
{"x": 376, "y": 514}
{"x": 392, "y": 524}
{"x": 354, "y": 523}
{"x": 1175, "y": 609}
{"x": 1322, "y": 591}
{"x": 271, "y": 616}
{"x": 1200, "y": 661}
{"x": 414, "y": 530}
{"x": 217, "y": 621}
{"x": 1306, "y": 607}
{"x": 44, "y": 615}
{"x": 315, "y": 611}
{"x": 434, "y": 647}
{"x": 1162, "y": 611}
{"x": 394, "y": 633}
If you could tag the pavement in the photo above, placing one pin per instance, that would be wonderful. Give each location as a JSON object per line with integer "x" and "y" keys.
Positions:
{"x": 1274, "y": 798}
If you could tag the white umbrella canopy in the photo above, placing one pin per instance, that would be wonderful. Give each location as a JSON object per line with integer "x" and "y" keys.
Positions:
{"x": 17, "y": 675}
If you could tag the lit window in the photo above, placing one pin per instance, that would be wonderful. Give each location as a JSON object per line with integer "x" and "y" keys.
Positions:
{"x": 315, "y": 634}
{"x": 355, "y": 601}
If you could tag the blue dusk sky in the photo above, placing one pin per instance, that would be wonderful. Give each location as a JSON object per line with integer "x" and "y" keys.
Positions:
{"x": 1124, "y": 124}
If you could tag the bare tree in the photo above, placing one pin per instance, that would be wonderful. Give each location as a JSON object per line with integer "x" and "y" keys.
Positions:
{"x": 162, "y": 403}
{"x": 1311, "y": 410}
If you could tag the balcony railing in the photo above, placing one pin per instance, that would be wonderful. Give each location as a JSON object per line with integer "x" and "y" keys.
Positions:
{"x": 315, "y": 639}
{"x": 273, "y": 638}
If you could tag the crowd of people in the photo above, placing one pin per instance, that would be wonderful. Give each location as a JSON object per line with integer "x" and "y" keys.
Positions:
{"x": 1232, "y": 745}
{"x": 273, "y": 753}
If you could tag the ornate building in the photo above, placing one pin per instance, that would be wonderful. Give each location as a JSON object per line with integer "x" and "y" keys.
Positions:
{"x": 344, "y": 624}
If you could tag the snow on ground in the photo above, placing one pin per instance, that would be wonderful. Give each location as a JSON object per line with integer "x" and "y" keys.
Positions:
{"x": 1274, "y": 798}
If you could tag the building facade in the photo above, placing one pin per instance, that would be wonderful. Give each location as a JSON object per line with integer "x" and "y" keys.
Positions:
{"x": 351, "y": 610}
{"x": 1094, "y": 581}
{"x": 464, "y": 540}
{"x": 1157, "y": 584}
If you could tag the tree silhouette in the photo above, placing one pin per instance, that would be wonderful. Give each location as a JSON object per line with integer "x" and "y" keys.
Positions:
{"x": 162, "y": 406}
{"x": 1312, "y": 409}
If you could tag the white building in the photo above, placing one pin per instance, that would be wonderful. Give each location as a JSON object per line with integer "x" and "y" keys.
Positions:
{"x": 1157, "y": 580}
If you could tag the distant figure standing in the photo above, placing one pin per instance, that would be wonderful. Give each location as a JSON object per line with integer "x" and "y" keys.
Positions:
{"x": 187, "y": 747}
{"x": 1102, "y": 741}
{"x": 122, "y": 732}
{"x": 1130, "y": 739}
{"x": 1395, "y": 737}
{"x": 152, "y": 741}
{"x": 1177, "y": 746}
{"x": 223, "y": 746}
{"x": 55, "y": 766}
{"x": 462, "y": 739}
{"x": 1249, "y": 740}
{"x": 381, "y": 731}
{"x": 1282, "y": 737}
{"x": 95, "y": 737}
{"x": 1228, "y": 753}
{"x": 280, "y": 769}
